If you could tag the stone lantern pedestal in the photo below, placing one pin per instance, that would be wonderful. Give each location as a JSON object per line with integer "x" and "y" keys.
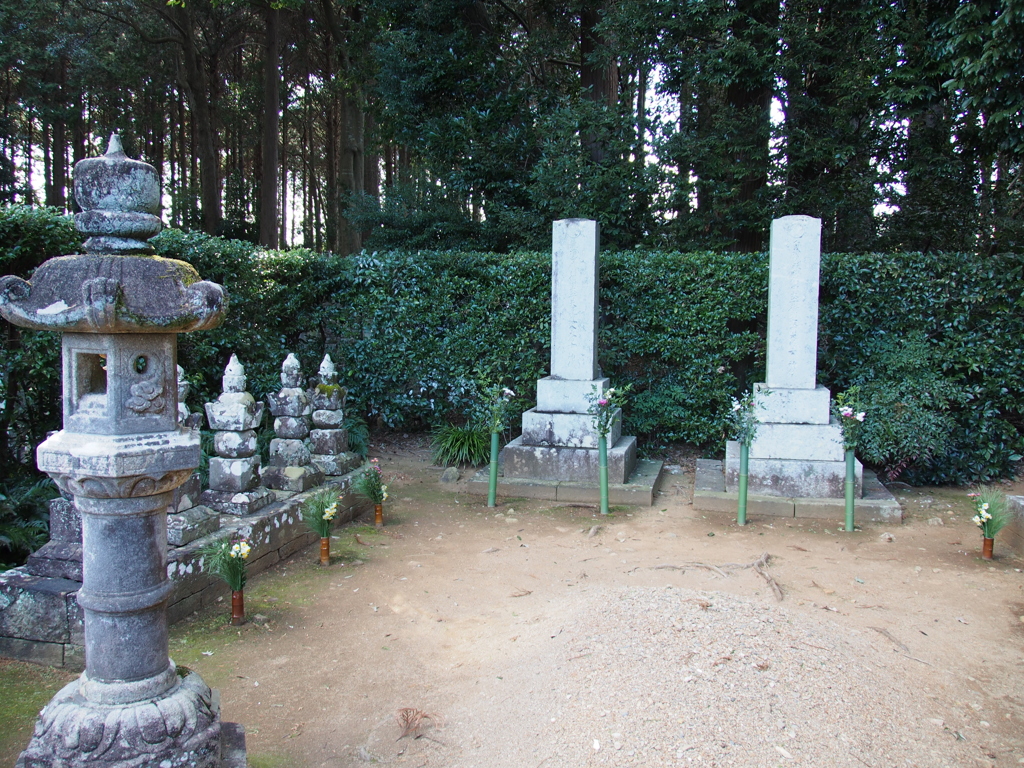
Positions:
{"x": 121, "y": 455}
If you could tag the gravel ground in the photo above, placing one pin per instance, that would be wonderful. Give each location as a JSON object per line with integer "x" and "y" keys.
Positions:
{"x": 676, "y": 677}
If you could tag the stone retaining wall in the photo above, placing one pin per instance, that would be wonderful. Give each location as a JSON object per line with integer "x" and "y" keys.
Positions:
{"x": 41, "y": 622}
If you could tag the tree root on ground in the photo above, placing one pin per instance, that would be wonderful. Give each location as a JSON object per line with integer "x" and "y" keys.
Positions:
{"x": 760, "y": 565}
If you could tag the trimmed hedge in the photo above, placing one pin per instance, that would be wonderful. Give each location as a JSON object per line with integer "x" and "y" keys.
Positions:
{"x": 409, "y": 330}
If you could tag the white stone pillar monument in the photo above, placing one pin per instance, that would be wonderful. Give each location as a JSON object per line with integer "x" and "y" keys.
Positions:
{"x": 798, "y": 450}
{"x": 559, "y": 441}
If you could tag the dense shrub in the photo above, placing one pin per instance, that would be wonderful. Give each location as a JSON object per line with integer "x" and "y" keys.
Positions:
{"x": 936, "y": 342}
{"x": 969, "y": 311}
{"x": 29, "y": 360}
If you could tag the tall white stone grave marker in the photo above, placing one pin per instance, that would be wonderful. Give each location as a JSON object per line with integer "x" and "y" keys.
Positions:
{"x": 559, "y": 441}
{"x": 798, "y": 451}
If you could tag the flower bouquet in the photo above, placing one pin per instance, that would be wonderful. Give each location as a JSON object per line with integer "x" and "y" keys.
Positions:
{"x": 991, "y": 515}
{"x": 370, "y": 485}
{"x": 851, "y": 422}
{"x": 227, "y": 559}
{"x": 604, "y": 408}
{"x": 318, "y": 512}
{"x": 498, "y": 405}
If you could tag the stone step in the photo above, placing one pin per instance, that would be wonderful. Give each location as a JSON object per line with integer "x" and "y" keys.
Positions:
{"x": 876, "y": 505}
{"x": 639, "y": 489}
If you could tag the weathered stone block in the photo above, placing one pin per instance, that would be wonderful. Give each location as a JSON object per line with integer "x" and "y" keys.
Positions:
{"x": 234, "y": 475}
{"x": 567, "y": 395}
{"x": 328, "y": 419}
{"x": 235, "y": 445}
{"x": 327, "y": 442}
{"x": 291, "y": 427}
{"x": 292, "y": 477}
{"x": 805, "y": 442}
{"x": 1012, "y": 536}
{"x": 235, "y": 412}
{"x": 793, "y": 406}
{"x": 113, "y": 465}
{"x": 34, "y": 651}
{"x": 191, "y": 524}
{"x": 544, "y": 463}
{"x": 65, "y": 520}
{"x": 328, "y": 398}
{"x": 58, "y": 560}
{"x": 237, "y": 503}
{"x": 336, "y": 464}
{"x": 187, "y": 494}
{"x": 573, "y": 430}
{"x": 709, "y": 476}
{"x": 34, "y": 607}
{"x": 288, "y": 453}
{"x": 290, "y": 401}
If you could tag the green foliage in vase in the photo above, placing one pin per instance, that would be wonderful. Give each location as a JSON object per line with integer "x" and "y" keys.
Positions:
{"x": 227, "y": 559}
{"x": 319, "y": 511}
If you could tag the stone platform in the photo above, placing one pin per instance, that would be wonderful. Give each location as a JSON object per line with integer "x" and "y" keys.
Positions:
{"x": 41, "y": 621}
{"x": 877, "y": 505}
{"x": 638, "y": 489}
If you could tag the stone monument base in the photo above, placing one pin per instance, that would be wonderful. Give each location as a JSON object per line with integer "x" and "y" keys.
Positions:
{"x": 876, "y": 504}
{"x": 180, "y": 728}
{"x": 791, "y": 477}
{"x": 639, "y": 489}
{"x": 538, "y": 462}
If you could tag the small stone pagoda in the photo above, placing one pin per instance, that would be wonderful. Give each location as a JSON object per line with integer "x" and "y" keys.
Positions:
{"x": 121, "y": 455}
{"x": 235, "y": 470}
{"x": 291, "y": 467}
{"x": 329, "y": 438}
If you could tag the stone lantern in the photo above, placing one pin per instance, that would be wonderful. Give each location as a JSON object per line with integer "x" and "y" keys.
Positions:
{"x": 121, "y": 454}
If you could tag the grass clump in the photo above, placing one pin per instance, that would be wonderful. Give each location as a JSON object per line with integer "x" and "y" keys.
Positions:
{"x": 453, "y": 445}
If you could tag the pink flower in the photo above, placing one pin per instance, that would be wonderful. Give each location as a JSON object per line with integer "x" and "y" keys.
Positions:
{"x": 602, "y": 402}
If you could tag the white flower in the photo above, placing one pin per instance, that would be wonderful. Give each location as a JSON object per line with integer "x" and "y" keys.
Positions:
{"x": 986, "y": 516}
{"x": 507, "y": 393}
{"x": 735, "y": 405}
{"x": 860, "y": 416}
{"x": 984, "y": 507}
{"x": 331, "y": 511}
{"x": 976, "y": 520}
{"x": 240, "y": 550}
{"x": 846, "y": 411}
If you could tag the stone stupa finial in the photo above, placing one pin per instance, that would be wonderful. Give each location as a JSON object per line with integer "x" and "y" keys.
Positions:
{"x": 234, "y": 375}
{"x": 328, "y": 373}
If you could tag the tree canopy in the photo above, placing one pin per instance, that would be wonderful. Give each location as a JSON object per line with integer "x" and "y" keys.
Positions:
{"x": 338, "y": 125}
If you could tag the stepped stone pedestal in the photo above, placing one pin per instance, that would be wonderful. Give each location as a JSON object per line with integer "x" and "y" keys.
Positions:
{"x": 798, "y": 451}
{"x": 559, "y": 442}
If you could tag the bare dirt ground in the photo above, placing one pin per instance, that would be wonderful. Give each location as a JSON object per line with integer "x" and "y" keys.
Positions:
{"x": 534, "y": 640}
